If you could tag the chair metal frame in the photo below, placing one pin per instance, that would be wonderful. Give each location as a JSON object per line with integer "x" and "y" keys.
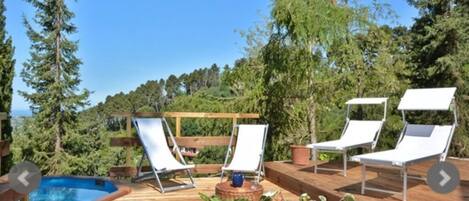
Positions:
{"x": 261, "y": 168}
{"x": 371, "y": 146}
{"x": 404, "y": 167}
{"x": 140, "y": 176}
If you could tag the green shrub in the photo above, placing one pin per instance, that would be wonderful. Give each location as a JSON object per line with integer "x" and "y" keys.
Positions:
{"x": 211, "y": 155}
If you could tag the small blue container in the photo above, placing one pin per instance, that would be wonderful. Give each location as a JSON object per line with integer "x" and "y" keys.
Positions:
{"x": 237, "y": 179}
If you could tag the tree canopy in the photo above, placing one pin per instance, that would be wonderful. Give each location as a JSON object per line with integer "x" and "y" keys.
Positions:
{"x": 300, "y": 67}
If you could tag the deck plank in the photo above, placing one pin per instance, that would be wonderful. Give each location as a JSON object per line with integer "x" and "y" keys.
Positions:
{"x": 147, "y": 191}
{"x": 333, "y": 185}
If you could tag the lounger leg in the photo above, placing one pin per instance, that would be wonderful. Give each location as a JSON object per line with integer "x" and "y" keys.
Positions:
{"x": 363, "y": 178}
{"x": 315, "y": 161}
{"x": 345, "y": 163}
{"x": 258, "y": 179}
{"x": 263, "y": 170}
{"x": 190, "y": 177}
{"x": 221, "y": 178}
{"x": 139, "y": 170}
{"x": 404, "y": 192}
{"x": 159, "y": 182}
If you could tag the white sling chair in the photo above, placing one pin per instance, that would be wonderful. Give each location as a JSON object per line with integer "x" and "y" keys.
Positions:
{"x": 249, "y": 153}
{"x": 417, "y": 142}
{"x": 153, "y": 139}
{"x": 356, "y": 133}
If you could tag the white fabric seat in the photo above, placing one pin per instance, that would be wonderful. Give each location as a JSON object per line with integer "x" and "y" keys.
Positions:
{"x": 357, "y": 133}
{"x": 419, "y": 142}
{"x": 154, "y": 141}
{"x": 249, "y": 151}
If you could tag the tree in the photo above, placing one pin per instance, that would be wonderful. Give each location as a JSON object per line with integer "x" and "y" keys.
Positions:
{"x": 53, "y": 73}
{"x": 301, "y": 32}
{"x": 439, "y": 52}
{"x": 7, "y": 64}
{"x": 172, "y": 87}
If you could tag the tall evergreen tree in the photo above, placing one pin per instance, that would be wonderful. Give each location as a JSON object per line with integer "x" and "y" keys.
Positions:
{"x": 7, "y": 64}
{"x": 439, "y": 52}
{"x": 53, "y": 73}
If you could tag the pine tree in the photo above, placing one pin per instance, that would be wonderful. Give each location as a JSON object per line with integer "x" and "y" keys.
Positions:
{"x": 53, "y": 73}
{"x": 7, "y": 64}
{"x": 440, "y": 56}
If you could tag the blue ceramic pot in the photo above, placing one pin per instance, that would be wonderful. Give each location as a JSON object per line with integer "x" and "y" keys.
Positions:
{"x": 237, "y": 179}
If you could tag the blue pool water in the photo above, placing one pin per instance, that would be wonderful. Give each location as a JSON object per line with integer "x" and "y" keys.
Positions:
{"x": 71, "y": 189}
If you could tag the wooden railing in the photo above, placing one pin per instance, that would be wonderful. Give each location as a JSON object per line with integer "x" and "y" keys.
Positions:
{"x": 4, "y": 145}
{"x": 196, "y": 142}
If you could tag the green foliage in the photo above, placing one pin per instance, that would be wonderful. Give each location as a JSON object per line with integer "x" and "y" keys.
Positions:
{"x": 216, "y": 198}
{"x": 53, "y": 73}
{"x": 308, "y": 59}
{"x": 439, "y": 51}
{"x": 7, "y": 73}
{"x": 211, "y": 155}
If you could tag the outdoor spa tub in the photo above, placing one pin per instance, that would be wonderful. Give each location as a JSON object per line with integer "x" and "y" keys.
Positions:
{"x": 69, "y": 188}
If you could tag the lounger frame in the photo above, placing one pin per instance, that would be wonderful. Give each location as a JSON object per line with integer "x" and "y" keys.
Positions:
{"x": 140, "y": 176}
{"x": 369, "y": 146}
{"x": 260, "y": 168}
{"x": 403, "y": 168}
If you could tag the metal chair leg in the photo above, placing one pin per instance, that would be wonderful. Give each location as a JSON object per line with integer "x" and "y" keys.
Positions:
{"x": 404, "y": 192}
{"x": 221, "y": 178}
{"x": 190, "y": 177}
{"x": 315, "y": 161}
{"x": 345, "y": 163}
{"x": 159, "y": 182}
{"x": 363, "y": 168}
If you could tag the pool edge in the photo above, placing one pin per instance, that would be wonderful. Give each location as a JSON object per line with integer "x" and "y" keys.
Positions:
{"x": 122, "y": 190}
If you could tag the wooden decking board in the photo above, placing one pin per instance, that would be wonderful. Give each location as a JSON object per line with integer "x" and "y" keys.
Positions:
{"x": 146, "y": 191}
{"x": 333, "y": 185}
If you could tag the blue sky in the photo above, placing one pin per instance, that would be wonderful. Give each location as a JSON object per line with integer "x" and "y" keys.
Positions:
{"x": 125, "y": 43}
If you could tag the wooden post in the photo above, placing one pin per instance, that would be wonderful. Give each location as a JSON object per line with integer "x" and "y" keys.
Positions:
{"x": 178, "y": 126}
{"x": 235, "y": 131}
{"x": 129, "y": 134}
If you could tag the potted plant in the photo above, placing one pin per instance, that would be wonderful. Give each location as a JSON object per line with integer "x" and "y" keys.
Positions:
{"x": 300, "y": 154}
{"x": 298, "y": 137}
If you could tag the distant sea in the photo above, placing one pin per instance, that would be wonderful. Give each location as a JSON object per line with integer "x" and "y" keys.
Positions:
{"x": 21, "y": 113}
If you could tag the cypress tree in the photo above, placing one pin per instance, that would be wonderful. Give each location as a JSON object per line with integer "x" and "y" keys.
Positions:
{"x": 7, "y": 64}
{"x": 53, "y": 73}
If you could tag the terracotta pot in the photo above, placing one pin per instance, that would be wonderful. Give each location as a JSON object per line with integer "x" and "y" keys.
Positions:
{"x": 300, "y": 154}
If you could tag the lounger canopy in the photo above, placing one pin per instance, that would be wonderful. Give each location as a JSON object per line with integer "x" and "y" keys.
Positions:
{"x": 161, "y": 158}
{"x": 366, "y": 101}
{"x": 356, "y": 133}
{"x": 249, "y": 152}
{"x": 417, "y": 142}
{"x": 427, "y": 99}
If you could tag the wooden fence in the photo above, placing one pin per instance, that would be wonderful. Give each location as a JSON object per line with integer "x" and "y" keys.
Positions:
{"x": 196, "y": 142}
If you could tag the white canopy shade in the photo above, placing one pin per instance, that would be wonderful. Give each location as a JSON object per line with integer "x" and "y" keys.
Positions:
{"x": 427, "y": 99}
{"x": 366, "y": 101}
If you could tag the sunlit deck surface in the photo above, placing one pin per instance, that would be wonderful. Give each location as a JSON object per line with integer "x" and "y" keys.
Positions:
{"x": 147, "y": 190}
{"x": 292, "y": 180}
{"x": 333, "y": 185}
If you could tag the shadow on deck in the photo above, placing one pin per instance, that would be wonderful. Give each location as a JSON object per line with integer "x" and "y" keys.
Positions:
{"x": 301, "y": 179}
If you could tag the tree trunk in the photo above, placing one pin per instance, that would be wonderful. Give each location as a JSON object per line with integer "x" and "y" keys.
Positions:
{"x": 312, "y": 120}
{"x": 59, "y": 121}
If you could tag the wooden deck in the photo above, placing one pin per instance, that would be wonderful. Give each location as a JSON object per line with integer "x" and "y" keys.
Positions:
{"x": 147, "y": 191}
{"x": 300, "y": 179}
